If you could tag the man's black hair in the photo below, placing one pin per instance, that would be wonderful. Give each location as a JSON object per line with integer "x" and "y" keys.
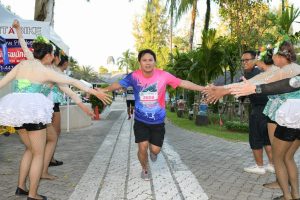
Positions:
{"x": 251, "y": 52}
{"x": 145, "y": 51}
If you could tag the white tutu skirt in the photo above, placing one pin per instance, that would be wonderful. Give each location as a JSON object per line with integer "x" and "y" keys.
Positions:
{"x": 288, "y": 114}
{"x": 17, "y": 109}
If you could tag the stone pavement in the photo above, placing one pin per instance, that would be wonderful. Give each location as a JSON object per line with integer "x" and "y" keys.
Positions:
{"x": 100, "y": 162}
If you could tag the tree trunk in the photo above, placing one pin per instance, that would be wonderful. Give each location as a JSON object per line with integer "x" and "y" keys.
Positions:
{"x": 171, "y": 35}
{"x": 207, "y": 15}
{"x": 282, "y": 6}
{"x": 192, "y": 30}
{"x": 44, "y": 11}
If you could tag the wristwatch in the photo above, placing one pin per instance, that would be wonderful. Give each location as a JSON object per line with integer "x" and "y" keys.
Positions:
{"x": 258, "y": 89}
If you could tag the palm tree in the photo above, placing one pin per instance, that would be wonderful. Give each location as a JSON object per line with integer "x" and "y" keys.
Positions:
{"x": 172, "y": 4}
{"x": 87, "y": 73}
{"x": 185, "y": 6}
{"x": 207, "y": 62}
{"x": 124, "y": 61}
{"x": 207, "y": 15}
{"x": 287, "y": 17}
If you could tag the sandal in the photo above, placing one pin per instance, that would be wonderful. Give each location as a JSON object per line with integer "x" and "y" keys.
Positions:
{"x": 55, "y": 163}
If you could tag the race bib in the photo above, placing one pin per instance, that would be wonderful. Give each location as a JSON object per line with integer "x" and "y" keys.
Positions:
{"x": 148, "y": 98}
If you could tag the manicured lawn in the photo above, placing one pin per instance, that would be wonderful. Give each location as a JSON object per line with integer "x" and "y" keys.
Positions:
{"x": 214, "y": 130}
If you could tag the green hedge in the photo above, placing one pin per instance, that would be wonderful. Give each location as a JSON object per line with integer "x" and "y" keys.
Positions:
{"x": 237, "y": 126}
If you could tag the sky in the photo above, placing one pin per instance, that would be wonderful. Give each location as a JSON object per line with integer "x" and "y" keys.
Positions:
{"x": 98, "y": 29}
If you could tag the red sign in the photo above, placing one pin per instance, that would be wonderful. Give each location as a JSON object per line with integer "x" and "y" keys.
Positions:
{"x": 15, "y": 55}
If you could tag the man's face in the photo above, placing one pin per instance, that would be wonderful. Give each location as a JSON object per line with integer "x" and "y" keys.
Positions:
{"x": 147, "y": 63}
{"x": 248, "y": 61}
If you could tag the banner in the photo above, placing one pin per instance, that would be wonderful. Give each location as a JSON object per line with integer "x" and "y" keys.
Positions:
{"x": 15, "y": 54}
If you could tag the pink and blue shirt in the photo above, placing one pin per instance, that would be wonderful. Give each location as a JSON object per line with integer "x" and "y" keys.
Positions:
{"x": 149, "y": 93}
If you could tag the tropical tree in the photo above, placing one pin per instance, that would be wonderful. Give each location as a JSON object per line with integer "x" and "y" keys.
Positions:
{"x": 207, "y": 15}
{"x": 207, "y": 62}
{"x": 151, "y": 32}
{"x": 287, "y": 18}
{"x": 172, "y": 5}
{"x": 103, "y": 70}
{"x": 246, "y": 30}
{"x": 185, "y": 6}
{"x": 127, "y": 61}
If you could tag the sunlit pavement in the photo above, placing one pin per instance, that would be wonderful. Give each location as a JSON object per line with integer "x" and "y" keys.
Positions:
{"x": 100, "y": 162}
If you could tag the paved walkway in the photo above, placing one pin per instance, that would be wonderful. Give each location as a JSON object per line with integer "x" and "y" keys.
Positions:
{"x": 100, "y": 162}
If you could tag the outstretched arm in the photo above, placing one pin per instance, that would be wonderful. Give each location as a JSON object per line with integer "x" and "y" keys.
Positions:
{"x": 112, "y": 87}
{"x": 9, "y": 76}
{"x": 54, "y": 76}
{"x": 278, "y": 87}
{"x": 76, "y": 99}
{"x": 190, "y": 86}
{"x": 27, "y": 52}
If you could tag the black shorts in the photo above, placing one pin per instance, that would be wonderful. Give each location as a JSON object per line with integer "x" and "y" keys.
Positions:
{"x": 287, "y": 134}
{"x": 154, "y": 133}
{"x": 130, "y": 102}
{"x": 56, "y": 107}
{"x": 258, "y": 135}
{"x": 32, "y": 127}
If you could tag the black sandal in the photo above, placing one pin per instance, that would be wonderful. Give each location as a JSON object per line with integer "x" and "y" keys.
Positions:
{"x": 21, "y": 192}
{"x": 55, "y": 163}
{"x": 43, "y": 198}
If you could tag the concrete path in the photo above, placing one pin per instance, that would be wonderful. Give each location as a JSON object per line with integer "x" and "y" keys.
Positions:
{"x": 100, "y": 163}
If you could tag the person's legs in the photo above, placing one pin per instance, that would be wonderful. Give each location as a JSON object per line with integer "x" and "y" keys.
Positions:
{"x": 157, "y": 135}
{"x": 257, "y": 128}
{"x": 143, "y": 154}
{"x": 49, "y": 151}
{"x": 128, "y": 109}
{"x": 280, "y": 149}
{"x": 38, "y": 142}
{"x": 258, "y": 156}
{"x": 271, "y": 130}
{"x": 132, "y": 107}
{"x": 292, "y": 169}
{"x": 26, "y": 159}
{"x": 56, "y": 123}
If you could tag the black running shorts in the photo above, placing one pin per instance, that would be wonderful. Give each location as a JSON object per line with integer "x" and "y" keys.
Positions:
{"x": 154, "y": 133}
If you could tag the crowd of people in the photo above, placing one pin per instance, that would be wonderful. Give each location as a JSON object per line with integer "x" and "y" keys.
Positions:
{"x": 33, "y": 108}
{"x": 39, "y": 84}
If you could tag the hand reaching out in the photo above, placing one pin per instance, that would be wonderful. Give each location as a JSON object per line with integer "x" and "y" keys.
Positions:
{"x": 214, "y": 93}
{"x": 104, "y": 97}
{"x": 244, "y": 89}
{"x": 88, "y": 111}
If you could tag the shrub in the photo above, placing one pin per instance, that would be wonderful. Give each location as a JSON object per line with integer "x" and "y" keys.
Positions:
{"x": 237, "y": 126}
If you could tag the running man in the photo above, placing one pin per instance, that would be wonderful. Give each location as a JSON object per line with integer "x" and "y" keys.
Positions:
{"x": 149, "y": 86}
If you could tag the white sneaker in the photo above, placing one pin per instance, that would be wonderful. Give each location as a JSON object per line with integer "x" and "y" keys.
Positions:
{"x": 270, "y": 168}
{"x": 255, "y": 169}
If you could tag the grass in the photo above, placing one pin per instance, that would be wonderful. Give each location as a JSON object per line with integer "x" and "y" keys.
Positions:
{"x": 211, "y": 129}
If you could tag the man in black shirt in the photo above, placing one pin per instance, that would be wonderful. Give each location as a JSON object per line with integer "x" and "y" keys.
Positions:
{"x": 258, "y": 135}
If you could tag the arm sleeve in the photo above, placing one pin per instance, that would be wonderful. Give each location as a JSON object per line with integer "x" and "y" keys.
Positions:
{"x": 278, "y": 87}
{"x": 173, "y": 81}
{"x": 126, "y": 81}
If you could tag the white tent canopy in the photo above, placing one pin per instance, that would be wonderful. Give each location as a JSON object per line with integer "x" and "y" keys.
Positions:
{"x": 30, "y": 29}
